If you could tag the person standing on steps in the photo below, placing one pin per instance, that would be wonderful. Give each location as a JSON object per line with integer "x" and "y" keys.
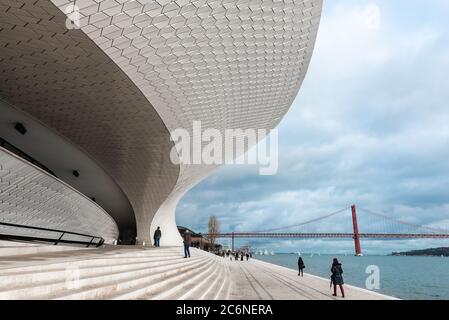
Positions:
{"x": 301, "y": 267}
{"x": 187, "y": 239}
{"x": 337, "y": 278}
{"x": 157, "y": 237}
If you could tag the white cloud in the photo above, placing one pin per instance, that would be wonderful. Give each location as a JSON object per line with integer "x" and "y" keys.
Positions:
{"x": 350, "y": 37}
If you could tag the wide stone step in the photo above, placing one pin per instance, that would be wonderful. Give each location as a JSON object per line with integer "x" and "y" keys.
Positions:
{"x": 52, "y": 287}
{"x": 94, "y": 257}
{"x": 170, "y": 286}
{"x": 199, "y": 287}
{"x": 217, "y": 286}
{"x": 62, "y": 271}
{"x": 113, "y": 272}
{"x": 125, "y": 289}
{"x": 150, "y": 287}
{"x": 54, "y": 264}
{"x": 226, "y": 286}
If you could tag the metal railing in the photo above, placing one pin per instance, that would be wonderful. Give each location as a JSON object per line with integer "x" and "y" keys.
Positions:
{"x": 91, "y": 240}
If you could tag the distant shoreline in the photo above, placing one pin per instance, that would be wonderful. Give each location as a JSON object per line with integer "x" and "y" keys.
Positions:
{"x": 430, "y": 252}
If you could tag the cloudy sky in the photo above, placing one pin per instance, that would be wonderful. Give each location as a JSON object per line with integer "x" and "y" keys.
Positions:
{"x": 369, "y": 126}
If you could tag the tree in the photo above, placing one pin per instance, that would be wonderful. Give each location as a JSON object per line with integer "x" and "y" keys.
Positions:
{"x": 214, "y": 229}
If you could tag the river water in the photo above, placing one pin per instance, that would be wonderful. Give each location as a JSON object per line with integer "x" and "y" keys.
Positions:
{"x": 404, "y": 277}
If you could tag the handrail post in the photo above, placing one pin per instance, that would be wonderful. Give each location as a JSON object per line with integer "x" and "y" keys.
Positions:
{"x": 57, "y": 241}
{"x": 91, "y": 240}
{"x": 100, "y": 242}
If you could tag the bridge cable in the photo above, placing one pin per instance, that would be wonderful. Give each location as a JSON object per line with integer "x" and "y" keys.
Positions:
{"x": 403, "y": 222}
{"x": 304, "y": 222}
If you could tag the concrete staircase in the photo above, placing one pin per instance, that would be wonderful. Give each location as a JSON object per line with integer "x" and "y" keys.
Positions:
{"x": 114, "y": 273}
{"x": 36, "y": 271}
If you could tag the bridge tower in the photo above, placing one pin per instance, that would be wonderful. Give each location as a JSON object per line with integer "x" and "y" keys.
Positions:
{"x": 358, "y": 249}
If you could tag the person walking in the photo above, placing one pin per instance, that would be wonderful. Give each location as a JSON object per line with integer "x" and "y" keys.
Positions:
{"x": 247, "y": 256}
{"x": 157, "y": 237}
{"x": 301, "y": 267}
{"x": 187, "y": 239}
{"x": 336, "y": 277}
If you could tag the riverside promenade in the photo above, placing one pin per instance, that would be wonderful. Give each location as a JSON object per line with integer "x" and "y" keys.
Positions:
{"x": 255, "y": 279}
{"x": 135, "y": 272}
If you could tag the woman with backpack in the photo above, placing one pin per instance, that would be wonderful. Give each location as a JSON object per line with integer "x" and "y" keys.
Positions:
{"x": 336, "y": 277}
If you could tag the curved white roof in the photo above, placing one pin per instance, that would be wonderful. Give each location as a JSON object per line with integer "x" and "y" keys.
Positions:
{"x": 157, "y": 66}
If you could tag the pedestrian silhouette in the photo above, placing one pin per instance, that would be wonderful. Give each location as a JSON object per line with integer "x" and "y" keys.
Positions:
{"x": 187, "y": 239}
{"x": 301, "y": 267}
{"x": 157, "y": 237}
{"x": 337, "y": 277}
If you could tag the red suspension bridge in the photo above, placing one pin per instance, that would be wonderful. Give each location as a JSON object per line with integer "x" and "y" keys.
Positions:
{"x": 412, "y": 231}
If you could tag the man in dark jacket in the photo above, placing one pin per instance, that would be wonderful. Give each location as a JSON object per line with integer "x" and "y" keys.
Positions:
{"x": 187, "y": 239}
{"x": 301, "y": 267}
{"x": 157, "y": 237}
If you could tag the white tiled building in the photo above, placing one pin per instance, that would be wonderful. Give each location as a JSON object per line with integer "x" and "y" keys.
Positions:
{"x": 104, "y": 98}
